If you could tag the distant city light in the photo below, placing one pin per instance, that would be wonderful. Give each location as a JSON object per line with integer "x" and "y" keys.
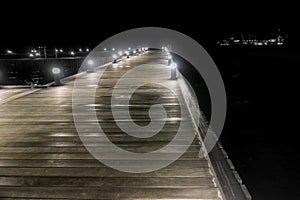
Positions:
{"x": 56, "y": 50}
{"x": 105, "y": 49}
{"x": 120, "y": 53}
{"x": 37, "y": 54}
{"x": 113, "y": 49}
{"x": 276, "y": 39}
{"x": 80, "y": 50}
{"x": 55, "y": 70}
{"x": 87, "y": 50}
{"x": 129, "y": 48}
{"x": 72, "y": 53}
{"x": 61, "y": 51}
{"x": 31, "y": 55}
{"x": 9, "y": 51}
{"x": 127, "y": 53}
{"x": 114, "y": 56}
{"x": 134, "y": 51}
{"x": 90, "y": 62}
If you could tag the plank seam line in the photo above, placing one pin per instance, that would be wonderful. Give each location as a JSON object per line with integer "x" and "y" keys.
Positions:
{"x": 17, "y": 96}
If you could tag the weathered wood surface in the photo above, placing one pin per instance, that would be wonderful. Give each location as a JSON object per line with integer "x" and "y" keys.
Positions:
{"x": 7, "y": 95}
{"x": 42, "y": 156}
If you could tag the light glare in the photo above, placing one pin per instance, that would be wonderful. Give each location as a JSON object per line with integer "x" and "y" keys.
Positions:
{"x": 55, "y": 70}
{"x": 174, "y": 65}
{"x": 90, "y": 62}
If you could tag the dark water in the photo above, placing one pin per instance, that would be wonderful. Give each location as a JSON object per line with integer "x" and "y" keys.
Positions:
{"x": 260, "y": 134}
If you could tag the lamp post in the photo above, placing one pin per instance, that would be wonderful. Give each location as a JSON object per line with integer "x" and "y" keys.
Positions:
{"x": 90, "y": 66}
{"x": 55, "y": 52}
{"x": 56, "y": 75}
{"x": 169, "y": 59}
{"x": 115, "y": 60}
{"x": 45, "y": 51}
{"x": 173, "y": 71}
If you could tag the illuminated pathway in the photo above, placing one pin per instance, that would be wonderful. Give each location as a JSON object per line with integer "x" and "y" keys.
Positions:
{"x": 42, "y": 156}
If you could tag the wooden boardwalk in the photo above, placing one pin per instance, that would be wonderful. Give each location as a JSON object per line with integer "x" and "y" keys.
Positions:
{"x": 42, "y": 156}
{"x": 7, "y": 95}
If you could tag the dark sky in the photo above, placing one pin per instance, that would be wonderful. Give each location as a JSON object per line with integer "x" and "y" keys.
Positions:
{"x": 85, "y": 24}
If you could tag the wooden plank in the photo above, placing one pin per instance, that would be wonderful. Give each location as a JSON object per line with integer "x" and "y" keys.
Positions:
{"x": 129, "y": 182}
{"x": 103, "y": 172}
{"x": 42, "y": 157}
{"x": 75, "y": 163}
{"x": 106, "y": 155}
{"x": 109, "y": 193}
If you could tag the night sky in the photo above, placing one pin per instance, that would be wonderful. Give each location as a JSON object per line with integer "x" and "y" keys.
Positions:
{"x": 85, "y": 24}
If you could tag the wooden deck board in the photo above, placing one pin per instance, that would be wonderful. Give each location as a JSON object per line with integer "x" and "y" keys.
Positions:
{"x": 42, "y": 156}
